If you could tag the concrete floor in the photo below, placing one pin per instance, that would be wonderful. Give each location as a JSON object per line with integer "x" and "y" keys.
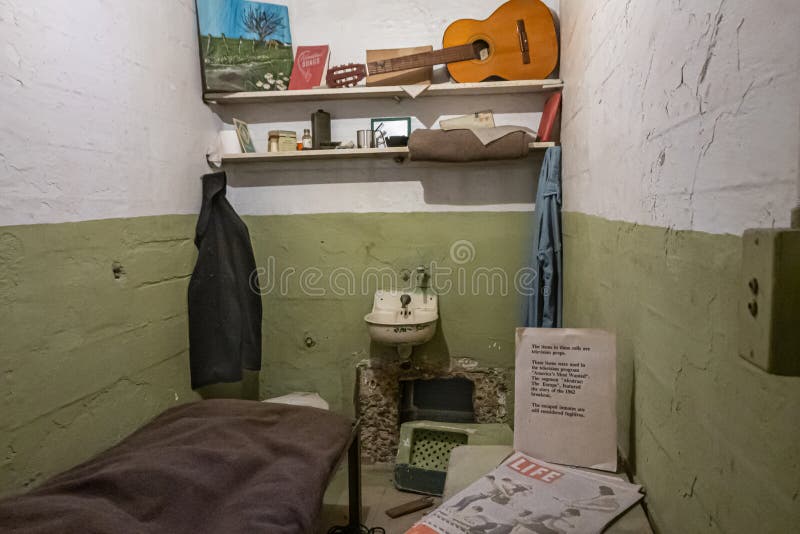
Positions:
{"x": 378, "y": 495}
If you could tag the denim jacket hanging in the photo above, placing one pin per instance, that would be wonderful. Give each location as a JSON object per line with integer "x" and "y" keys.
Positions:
{"x": 544, "y": 307}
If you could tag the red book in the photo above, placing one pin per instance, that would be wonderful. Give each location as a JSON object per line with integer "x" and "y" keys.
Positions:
{"x": 549, "y": 117}
{"x": 309, "y": 67}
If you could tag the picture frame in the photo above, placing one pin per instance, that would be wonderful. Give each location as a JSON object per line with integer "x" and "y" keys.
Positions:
{"x": 245, "y": 45}
{"x": 392, "y": 126}
{"x": 243, "y": 134}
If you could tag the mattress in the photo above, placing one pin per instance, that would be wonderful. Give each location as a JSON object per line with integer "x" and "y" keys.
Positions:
{"x": 216, "y": 466}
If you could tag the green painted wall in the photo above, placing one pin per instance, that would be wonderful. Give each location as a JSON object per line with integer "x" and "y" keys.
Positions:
{"x": 713, "y": 438}
{"x": 473, "y": 324}
{"x": 86, "y": 358}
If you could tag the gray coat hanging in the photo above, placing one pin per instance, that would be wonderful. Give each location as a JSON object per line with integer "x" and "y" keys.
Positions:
{"x": 224, "y": 299}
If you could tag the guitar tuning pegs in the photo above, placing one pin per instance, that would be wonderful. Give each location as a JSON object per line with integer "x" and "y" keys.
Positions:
{"x": 346, "y": 75}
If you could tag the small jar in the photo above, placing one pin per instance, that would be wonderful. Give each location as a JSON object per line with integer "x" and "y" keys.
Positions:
{"x": 282, "y": 141}
{"x": 273, "y": 142}
{"x": 307, "y": 144}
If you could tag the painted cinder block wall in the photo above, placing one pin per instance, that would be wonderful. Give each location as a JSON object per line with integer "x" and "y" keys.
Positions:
{"x": 365, "y": 216}
{"x": 102, "y": 140}
{"x": 681, "y": 129}
{"x": 712, "y": 438}
{"x": 101, "y": 146}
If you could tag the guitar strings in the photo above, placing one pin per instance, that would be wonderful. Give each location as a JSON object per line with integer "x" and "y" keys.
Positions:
{"x": 424, "y": 59}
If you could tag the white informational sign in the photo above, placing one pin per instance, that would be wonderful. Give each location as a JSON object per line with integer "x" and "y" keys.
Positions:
{"x": 565, "y": 400}
{"x": 525, "y": 495}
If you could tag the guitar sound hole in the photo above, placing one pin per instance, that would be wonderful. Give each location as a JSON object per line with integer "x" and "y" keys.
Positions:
{"x": 481, "y": 49}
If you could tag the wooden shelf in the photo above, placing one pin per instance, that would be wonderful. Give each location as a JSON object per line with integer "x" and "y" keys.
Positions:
{"x": 394, "y": 91}
{"x": 346, "y": 153}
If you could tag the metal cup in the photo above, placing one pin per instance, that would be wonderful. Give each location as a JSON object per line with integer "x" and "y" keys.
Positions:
{"x": 365, "y": 138}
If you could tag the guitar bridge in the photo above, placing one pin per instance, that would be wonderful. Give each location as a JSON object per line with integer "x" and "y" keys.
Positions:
{"x": 523, "y": 42}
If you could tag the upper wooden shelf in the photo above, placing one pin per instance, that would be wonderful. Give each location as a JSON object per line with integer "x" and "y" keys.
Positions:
{"x": 393, "y": 91}
{"x": 399, "y": 153}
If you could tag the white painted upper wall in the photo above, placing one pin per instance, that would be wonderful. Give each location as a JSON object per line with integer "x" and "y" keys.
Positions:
{"x": 350, "y": 28}
{"x": 679, "y": 114}
{"x": 100, "y": 110}
{"x": 683, "y": 114}
{"x": 101, "y": 115}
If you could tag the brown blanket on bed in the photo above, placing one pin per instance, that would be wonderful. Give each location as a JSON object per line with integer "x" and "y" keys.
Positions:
{"x": 215, "y": 466}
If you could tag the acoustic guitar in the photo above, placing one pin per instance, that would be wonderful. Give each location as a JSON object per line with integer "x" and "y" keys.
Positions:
{"x": 517, "y": 42}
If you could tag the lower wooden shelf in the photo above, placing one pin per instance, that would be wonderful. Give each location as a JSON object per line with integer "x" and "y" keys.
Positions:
{"x": 345, "y": 153}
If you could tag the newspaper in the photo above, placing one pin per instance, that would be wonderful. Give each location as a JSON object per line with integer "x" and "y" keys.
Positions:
{"x": 529, "y": 496}
{"x": 565, "y": 396}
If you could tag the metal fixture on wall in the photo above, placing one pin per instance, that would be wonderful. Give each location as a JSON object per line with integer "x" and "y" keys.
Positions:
{"x": 770, "y": 300}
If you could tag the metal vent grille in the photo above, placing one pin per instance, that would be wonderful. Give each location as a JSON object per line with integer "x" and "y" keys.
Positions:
{"x": 430, "y": 449}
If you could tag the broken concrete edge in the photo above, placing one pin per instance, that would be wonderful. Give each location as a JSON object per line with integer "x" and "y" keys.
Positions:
{"x": 378, "y": 398}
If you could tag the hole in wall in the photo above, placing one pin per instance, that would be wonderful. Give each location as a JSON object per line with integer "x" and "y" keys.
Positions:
{"x": 118, "y": 270}
{"x": 438, "y": 399}
{"x": 480, "y": 397}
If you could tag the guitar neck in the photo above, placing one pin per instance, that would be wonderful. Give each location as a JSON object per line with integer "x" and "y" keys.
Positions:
{"x": 425, "y": 59}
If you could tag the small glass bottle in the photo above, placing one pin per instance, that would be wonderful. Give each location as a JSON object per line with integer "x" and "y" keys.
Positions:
{"x": 307, "y": 145}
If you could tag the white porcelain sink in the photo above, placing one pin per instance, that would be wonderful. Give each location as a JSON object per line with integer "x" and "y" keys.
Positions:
{"x": 391, "y": 323}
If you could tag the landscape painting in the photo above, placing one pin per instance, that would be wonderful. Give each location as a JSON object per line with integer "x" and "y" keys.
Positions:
{"x": 244, "y": 45}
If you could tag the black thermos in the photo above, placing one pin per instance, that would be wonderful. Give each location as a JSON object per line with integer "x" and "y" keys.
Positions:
{"x": 320, "y": 129}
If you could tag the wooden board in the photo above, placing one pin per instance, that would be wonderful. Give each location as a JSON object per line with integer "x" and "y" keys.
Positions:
{"x": 347, "y": 153}
{"x": 361, "y": 92}
{"x": 402, "y": 77}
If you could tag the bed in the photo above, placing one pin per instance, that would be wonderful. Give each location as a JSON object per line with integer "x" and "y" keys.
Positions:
{"x": 216, "y": 466}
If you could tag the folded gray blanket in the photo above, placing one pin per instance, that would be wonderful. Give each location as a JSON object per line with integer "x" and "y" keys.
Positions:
{"x": 214, "y": 466}
{"x": 463, "y": 145}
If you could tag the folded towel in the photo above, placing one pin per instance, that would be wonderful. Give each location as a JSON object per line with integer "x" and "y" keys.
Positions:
{"x": 463, "y": 145}
{"x": 491, "y": 134}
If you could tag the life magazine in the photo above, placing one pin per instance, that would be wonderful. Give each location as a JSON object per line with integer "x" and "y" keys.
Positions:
{"x": 528, "y": 496}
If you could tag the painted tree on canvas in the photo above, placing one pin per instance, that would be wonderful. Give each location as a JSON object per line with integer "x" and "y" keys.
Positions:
{"x": 262, "y": 23}
{"x": 246, "y": 45}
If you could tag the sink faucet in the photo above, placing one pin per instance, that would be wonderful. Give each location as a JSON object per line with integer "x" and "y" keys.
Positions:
{"x": 422, "y": 283}
{"x": 404, "y": 302}
{"x": 422, "y": 273}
